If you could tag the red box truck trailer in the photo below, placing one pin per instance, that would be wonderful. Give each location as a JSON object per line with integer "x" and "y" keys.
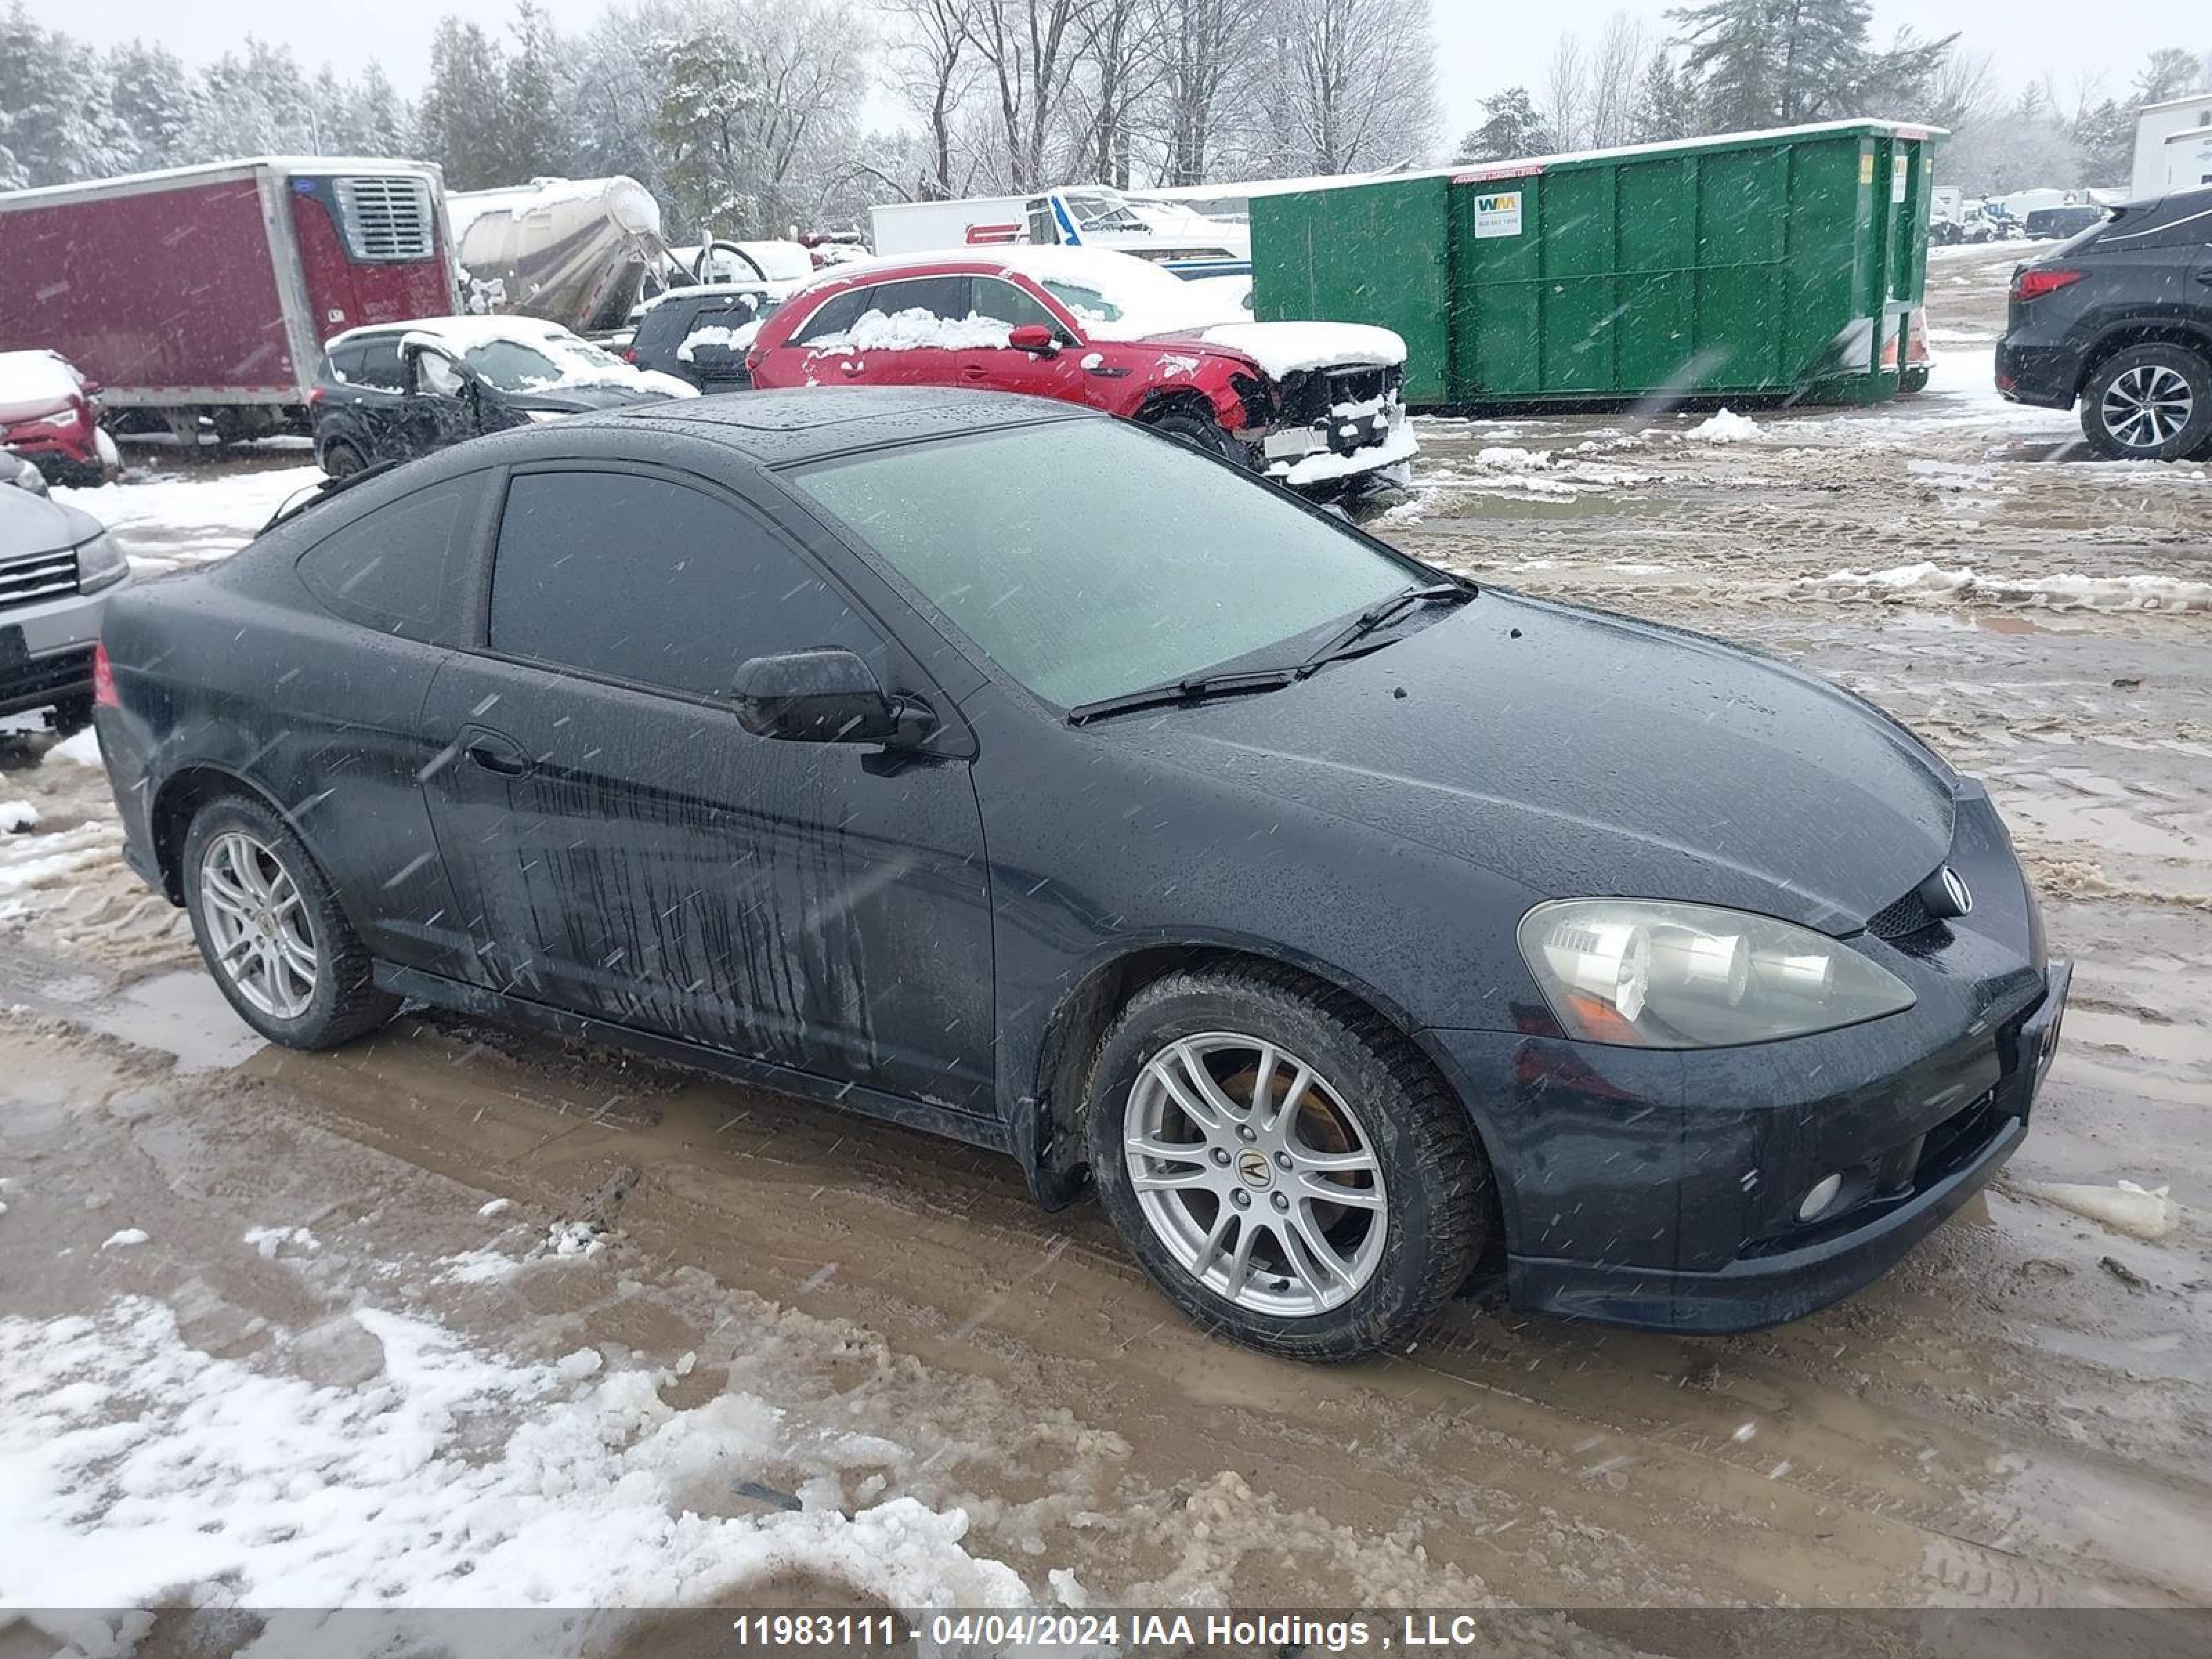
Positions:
{"x": 202, "y": 294}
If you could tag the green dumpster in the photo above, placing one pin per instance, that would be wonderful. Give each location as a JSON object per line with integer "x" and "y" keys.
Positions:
{"x": 1770, "y": 265}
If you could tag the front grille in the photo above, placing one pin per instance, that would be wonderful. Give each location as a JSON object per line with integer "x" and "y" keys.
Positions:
{"x": 41, "y": 576}
{"x": 385, "y": 219}
{"x": 1902, "y": 918}
{"x": 1309, "y": 395}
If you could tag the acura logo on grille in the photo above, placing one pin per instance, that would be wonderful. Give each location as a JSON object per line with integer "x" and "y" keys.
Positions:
{"x": 1947, "y": 894}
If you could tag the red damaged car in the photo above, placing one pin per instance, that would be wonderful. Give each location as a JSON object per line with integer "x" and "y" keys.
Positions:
{"x": 1312, "y": 405}
{"x": 50, "y": 416}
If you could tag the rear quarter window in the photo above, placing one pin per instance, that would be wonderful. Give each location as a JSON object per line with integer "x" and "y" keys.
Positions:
{"x": 401, "y": 567}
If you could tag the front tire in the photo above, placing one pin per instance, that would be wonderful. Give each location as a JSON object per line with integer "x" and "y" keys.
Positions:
{"x": 269, "y": 929}
{"x": 1286, "y": 1166}
{"x": 341, "y": 459}
{"x": 2149, "y": 403}
{"x": 1197, "y": 430}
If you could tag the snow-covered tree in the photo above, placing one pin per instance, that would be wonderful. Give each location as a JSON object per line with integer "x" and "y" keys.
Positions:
{"x": 534, "y": 139}
{"x": 1205, "y": 50}
{"x": 159, "y": 101}
{"x": 1512, "y": 127}
{"x": 1666, "y": 107}
{"x": 933, "y": 61}
{"x": 460, "y": 124}
{"x": 2170, "y": 73}
{"x": 1349, "y": 84}
{"x": 57, "y": 122}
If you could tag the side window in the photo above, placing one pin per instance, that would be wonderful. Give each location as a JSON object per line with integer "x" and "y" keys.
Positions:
{"x": 342, "y": 365}
{"x": 940, "y": 296}
{"x": 1014, "y": 307}
{"x": 715, "y": 342}
{"x": 836, "y": 315}
{"x": 376, "y": 363}
{"x": 644, "y": 580}
{"x": 400, "y": 568}
{"x": 1042, "y": 231}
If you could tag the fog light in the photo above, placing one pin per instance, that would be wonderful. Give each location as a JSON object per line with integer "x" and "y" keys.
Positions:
{"x": 1822, "y": 1195}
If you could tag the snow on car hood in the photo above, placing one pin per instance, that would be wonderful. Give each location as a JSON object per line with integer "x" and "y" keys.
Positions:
{"x": 1290, "y": 348}
{"x": 33, "y": 383}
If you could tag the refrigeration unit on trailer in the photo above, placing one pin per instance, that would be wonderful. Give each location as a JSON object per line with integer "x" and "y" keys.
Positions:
{"x": 201, "y": 295}
{"x": 2173, "y": 145}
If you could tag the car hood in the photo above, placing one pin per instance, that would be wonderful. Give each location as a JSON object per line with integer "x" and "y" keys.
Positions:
{"x": 1281, "y": 349}
{"x": 33, "y": 523}
{"x": 573, "y": 399}
{"x": 1582, "y": 754}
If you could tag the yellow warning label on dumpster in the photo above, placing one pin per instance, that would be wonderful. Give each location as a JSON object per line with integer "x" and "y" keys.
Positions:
{"x": 1866, "y": 167}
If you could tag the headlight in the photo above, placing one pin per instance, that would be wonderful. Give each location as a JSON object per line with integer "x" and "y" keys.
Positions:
{"x": 1644, "y": 974}
{"x": 99, "y": 562}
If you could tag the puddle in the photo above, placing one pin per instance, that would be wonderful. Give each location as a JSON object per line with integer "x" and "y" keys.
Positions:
{"x": 181, "y": 1014}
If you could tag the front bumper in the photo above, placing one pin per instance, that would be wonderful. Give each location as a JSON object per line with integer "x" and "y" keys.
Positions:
{"x": 1766, "y": 1285}
{"x": 45, "y": 650}
{"x": 1664, "y": 1188}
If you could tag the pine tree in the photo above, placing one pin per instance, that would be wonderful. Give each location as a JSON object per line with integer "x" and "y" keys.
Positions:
{"x": 2170, "y": 73}
{"x": 57, "y": 122}
{"x": 1512, "y": 128}
{"x": 711, "y": 99}
{"x": 534, "y": 145}
{"x": 157, "y": 101}
{"x": 1775, "y": 62}
{"x": 1666, "y": 108}
{"x": 378, "y": 117}
{"x": 460, "y": 125}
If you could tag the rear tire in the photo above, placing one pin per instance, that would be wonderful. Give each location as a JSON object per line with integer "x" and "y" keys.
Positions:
{"x": 2149, "y": 403}
{"x": 341, "y": 459}
{"x": 1306, "y": 1091}
{"x": 270, "y": 931}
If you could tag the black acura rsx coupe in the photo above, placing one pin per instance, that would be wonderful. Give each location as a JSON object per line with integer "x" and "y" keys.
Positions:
{"x": 1002, "y": 768}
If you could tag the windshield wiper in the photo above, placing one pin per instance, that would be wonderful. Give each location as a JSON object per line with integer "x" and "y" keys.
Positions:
{"x": 1189, "y": 689}
{"x": 1379, "y": 614}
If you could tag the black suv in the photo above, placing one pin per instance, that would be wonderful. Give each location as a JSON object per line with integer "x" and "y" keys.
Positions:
{"x": 700, "y": 334}
{"x": 2120, "y": 317}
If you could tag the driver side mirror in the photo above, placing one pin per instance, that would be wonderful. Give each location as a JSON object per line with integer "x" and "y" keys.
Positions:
{"x": 826, "y": 695}
{"x": 1034, "y": 338}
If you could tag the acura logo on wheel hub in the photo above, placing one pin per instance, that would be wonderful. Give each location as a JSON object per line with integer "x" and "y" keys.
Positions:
{"x": 1252, "y": 1168}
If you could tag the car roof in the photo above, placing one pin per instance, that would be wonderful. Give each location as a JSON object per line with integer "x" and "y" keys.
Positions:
{"x": 458, "y": 331}
{"x": 776, "y": 428}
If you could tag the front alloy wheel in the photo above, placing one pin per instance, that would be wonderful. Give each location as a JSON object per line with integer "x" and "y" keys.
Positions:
{"x": 261, "y": 941}
{"x": 1256, "y": 1173}
{"x": 1284, "y": 1164}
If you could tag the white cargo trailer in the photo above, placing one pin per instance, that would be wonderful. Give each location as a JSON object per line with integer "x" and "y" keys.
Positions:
{"x": 2173, "y": 145}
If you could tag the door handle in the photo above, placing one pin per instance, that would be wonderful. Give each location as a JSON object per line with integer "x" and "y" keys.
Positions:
{"x": 974, "y": 372}
{"x": 496, "y": 754}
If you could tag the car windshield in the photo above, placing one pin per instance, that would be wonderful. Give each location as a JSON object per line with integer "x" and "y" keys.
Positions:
{"x": 1089, "y": 559}
{"x": 540, "y": 365}
{"x": 1103, "y": 213}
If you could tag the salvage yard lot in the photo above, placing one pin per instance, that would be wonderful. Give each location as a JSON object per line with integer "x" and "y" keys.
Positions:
{"x": 679, "y": 1304}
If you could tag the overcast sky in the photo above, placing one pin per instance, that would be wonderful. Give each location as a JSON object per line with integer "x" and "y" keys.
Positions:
{"x": 1482, "y": 45}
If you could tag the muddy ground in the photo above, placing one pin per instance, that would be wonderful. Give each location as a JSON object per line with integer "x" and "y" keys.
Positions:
{"x": 2020, "y": 1415}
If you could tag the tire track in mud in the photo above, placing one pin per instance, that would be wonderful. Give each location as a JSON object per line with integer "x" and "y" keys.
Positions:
{"x": 1614, "y": 1456}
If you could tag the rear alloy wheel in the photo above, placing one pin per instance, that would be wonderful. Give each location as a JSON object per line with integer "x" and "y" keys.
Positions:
{"x": 1285, "y": 1165}
{"x": 2149, "y": 402}
{"x": 271, "y": 932}
{"x": 341, "y": 459}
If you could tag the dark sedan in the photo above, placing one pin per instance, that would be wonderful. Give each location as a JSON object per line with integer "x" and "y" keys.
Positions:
{"x": 1002, "y": 768}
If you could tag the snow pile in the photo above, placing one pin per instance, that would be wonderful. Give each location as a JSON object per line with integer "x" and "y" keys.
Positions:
{"x": 1282, "y": 348}
{"x": 163, "y": 519}
{"x": 135, "y": 1467}
{"x": 1727, "y": 426}
{"x": 2062, "y": 591}
{"x": 915, "y": 330}
{"x": 736, "y": 339}
{"x": 33, "y": 383}
{"x": 17, "y": 815}
{"x": 2145, "y": 1213}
